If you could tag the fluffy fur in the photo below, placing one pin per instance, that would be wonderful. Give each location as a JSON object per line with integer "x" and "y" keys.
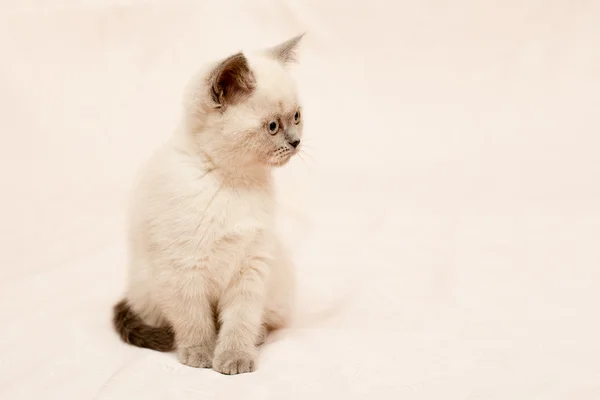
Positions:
{"x": 208, "y": 275}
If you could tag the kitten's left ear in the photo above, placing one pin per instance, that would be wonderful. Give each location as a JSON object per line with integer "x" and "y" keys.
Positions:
{"x": 286, "y": 52}
{"x": 231, "y": 81}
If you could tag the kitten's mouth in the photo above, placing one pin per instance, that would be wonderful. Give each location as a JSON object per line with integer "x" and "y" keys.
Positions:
{"x": 282, "y": 156}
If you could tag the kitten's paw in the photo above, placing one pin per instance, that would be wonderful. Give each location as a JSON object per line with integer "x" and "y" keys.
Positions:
{"x": 233, "y": 362}
{"x": 196, "y": 356}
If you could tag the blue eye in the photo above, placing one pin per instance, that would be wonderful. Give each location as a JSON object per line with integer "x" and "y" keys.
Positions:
{"x": 273, "y": 127}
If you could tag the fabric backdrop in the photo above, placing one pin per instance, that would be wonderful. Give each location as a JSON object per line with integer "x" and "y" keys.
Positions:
{"x": 445, "y": 219}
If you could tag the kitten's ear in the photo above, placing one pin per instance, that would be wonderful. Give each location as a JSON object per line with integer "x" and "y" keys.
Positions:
{"x": 286, "y": 52}
{"x": 231, "y": 81}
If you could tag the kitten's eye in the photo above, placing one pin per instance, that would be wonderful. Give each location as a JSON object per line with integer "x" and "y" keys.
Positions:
{"x": 273, "y": 127}
{"x": 297, "y": 117}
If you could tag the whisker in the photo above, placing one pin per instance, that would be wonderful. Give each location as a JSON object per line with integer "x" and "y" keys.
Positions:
{"x": 302, "y": 158}
{"x": 307, "y": 154}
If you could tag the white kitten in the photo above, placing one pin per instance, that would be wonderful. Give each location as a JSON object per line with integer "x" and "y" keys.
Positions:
{"x": 208, "y": 276}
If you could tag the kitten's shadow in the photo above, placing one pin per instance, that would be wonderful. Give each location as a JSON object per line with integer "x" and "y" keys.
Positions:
{"x": 307, "y": 319}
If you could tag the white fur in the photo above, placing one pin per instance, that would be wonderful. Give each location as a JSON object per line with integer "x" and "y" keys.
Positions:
{"x": 202, "y": 235}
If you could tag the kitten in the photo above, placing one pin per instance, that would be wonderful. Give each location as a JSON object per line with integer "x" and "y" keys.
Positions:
{"x": 208, "y": 275}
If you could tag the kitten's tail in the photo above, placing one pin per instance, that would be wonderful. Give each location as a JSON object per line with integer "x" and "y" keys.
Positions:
{"x": 133, "y": 330}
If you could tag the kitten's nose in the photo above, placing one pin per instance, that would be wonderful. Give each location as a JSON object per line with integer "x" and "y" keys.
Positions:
{"x": 295, "y": 143}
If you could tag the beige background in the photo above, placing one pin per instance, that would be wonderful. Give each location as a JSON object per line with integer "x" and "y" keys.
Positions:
{"x": 446, "y": 224}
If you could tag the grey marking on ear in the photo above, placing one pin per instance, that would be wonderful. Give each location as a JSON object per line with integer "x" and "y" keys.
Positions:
{"x": 231, "y": 81}
{"x": 286, "y": 52}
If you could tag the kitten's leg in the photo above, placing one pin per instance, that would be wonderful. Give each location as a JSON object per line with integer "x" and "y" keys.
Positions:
{"x": 281, "y": 291}
{"x": 262, "y": 335}
{"x": 241, "y": 312}
{"x": 186, "y": 301}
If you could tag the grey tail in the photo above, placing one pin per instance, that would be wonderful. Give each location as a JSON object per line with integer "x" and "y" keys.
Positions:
{"x": 133, "y": 330}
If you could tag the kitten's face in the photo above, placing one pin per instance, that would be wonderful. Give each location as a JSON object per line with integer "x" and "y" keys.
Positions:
{"x": 267, "y": 127}
{"x": 285, "y": 132}
{"x": 254, "y": 115}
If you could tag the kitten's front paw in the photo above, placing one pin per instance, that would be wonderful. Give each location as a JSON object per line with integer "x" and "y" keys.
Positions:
{"x": 233, "y": 362}
{"x": 196, "y": 356}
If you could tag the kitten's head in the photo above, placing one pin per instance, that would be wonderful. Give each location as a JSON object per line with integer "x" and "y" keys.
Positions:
{"x": 244, "y": 110}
